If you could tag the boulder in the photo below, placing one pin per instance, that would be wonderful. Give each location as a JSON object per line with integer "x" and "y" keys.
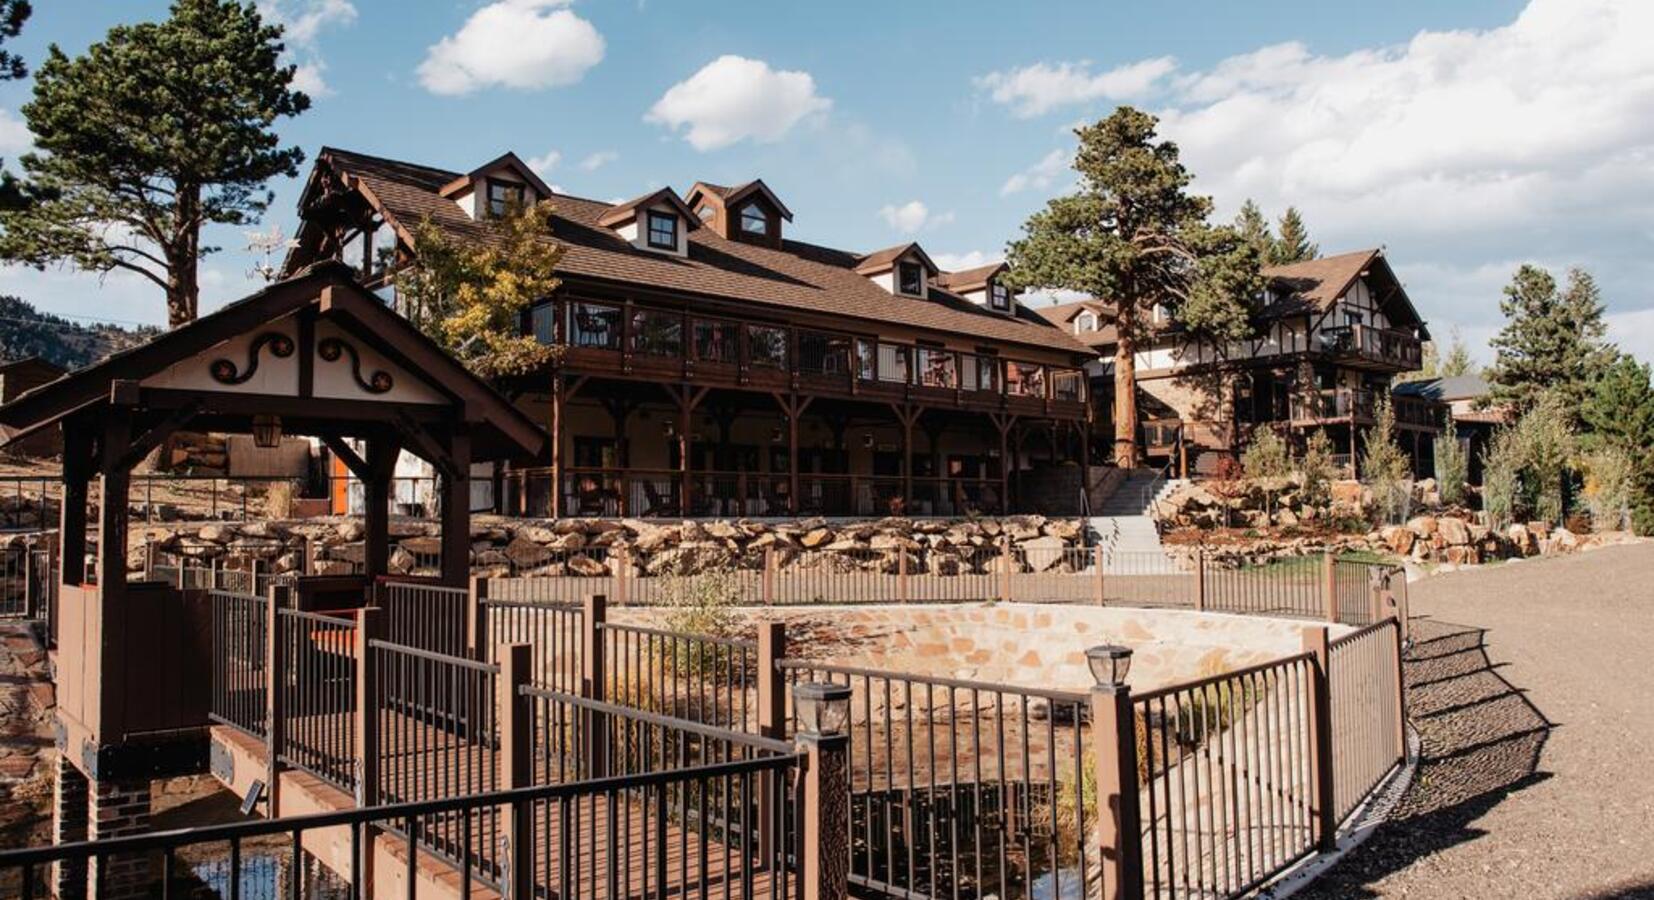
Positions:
{"x": 402, "y": 561}
{"x": 525, "y": 554}
{"x": 583, "y": 565}
{"x": 1423, "y": 526}
{"x": 1399, "y": 539}
{"x": 1042, "y": 553}
{"x": 1453, "y": 531}
{"x": 215, "y": 533}
{"x": 422, "y": 545}
{"x": 350, "y": 531}
{"x": 816, "y": 537}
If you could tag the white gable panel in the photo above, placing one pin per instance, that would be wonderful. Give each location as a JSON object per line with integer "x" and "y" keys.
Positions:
{"x": 234, "y": 367}
{"x": 348, "y": 368}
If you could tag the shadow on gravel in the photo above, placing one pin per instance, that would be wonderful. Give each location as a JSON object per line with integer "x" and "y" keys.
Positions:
{"x": 1644, "y": 891}
{"x": 1480, "y": 741}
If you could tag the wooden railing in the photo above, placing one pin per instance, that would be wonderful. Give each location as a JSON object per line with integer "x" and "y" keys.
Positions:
{"x": 641, "y": 341}
{"x": 1385, "y": 346}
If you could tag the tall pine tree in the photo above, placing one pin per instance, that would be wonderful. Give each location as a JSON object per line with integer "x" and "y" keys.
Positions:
{"x": 1552, "y": 339}
{"x": 1134, "y": 235}
{"x": 1292, "y": 243}
{"x": 1254, "y": 228}
{"x": 159, "y": 129}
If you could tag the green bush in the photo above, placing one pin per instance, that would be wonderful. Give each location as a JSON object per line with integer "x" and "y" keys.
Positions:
{"x": 1501, "y": 478}
{"x": 1317, "y": 469}
{"x": 1610, "y": 482}
{"x": 1385, "y": 467}
{"x": 1452, "y": 467}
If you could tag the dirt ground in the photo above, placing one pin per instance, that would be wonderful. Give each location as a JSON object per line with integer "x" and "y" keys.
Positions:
{"x": 1532, "y": 687}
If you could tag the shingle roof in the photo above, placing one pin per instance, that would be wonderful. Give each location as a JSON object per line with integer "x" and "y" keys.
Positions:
{"x": 1458, "y": 387}
{"x": 965, "y": 279}
{"x": 1315, "y": 283}
{"x": 798, "y": 276}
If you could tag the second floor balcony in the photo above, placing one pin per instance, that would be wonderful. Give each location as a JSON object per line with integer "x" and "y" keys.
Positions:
{"x": 1364, "y": 346}
{"x": 1359, "y": 406}
{"x": 650, "y": 343}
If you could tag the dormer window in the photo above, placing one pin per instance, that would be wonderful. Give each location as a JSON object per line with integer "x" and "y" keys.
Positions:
{"x": 663, "y": 230}
{"x": 910, "y": 278}
{"x": 503, "y": 196}
{"x": 753, "y": 220}
{"x": 999, "y": 297}
{"x": 1085, "y": 322}
{"x": 706, "y": 212}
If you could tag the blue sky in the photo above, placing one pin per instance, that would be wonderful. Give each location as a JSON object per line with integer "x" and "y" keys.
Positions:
{"x": 1466, "y": 137}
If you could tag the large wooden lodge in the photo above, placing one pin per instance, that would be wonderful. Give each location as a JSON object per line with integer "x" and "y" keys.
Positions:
{"x": 715, "y": 366}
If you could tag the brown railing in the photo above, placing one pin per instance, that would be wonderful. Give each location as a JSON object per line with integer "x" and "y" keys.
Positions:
{"x": 240, "y": 625}
{"x": 1364, "y": 683}
{"x": 1226, "y": 771}
{"x": 651, "y": 341}
{"x": 962, "y": 788}
{"x": 316, "y": 669}
{"x": 427, "y": 616}
{"x": 554, "y": 629}
{"x": 700, "y": 678}
{"x": 1380, "y": 345}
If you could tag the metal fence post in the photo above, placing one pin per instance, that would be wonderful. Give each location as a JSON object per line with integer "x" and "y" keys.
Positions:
{"x": 767, "y": 587}
{"x": 516, "y": 761}
{"x": 370, "y": 626}
{"x": 1119, "y": 816}
{"x": 772, "y": 718}
{"x": 903, "y": 594}
{"x": 1323, "y": 818}
{"x": 1200, "y": 579}
{"x": 1098, "y": 558}
{"x": 1399, "y": 683}
{"x": 622, "y": 575}
{"x": 275, "y": 677}
{"x": 476, "y": 617}
{"x": 1329, "y": 585}
{"x": 593, "y": 683}
{"x": 1005, "y": 568}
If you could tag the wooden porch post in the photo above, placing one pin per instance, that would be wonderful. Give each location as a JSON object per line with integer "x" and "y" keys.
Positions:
{"x": 77, "y": 470}
{"x": 555, "y": 505}
{"x": 376, "y": 497}
{"x": 794, "y": 502}
{"x": 115, "y": 480}
{"x": 456, "y": 512}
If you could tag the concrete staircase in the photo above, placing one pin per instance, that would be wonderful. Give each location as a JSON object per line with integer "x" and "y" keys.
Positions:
{"x": 1123, "y": 525}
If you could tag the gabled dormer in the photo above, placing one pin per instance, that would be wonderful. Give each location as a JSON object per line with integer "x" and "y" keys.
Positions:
{"x": 983, "y": 285}
{"x": 750, "y": 213}
{"x": 658, "y": 222}
{"x": 904, "y": 270}
{"x": 490, "y": 190}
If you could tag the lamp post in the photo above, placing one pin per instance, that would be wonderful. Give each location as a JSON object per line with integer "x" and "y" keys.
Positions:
{"x": 823, "y": 716}
{"x": 1114, "y": 734}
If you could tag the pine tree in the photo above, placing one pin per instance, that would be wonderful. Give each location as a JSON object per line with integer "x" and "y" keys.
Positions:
{"x": 1452, "y": 467}
{"x": 1618, "y": 415}
{"x": 1384, "y": 467}
{"x": 159, "y": 129}
{"x": 13, "y": 13}
{"x": 1457, "y": 362}
{"x": 1292, "y": 243}
{"x": 1254, "y": 229}
{"x": 1551, "y": 340}
{"x": 1133, "y": 233}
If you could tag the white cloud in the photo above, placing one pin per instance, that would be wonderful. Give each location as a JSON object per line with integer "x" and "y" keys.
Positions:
{"x": 303, "y": 22}
{"x": 733, "y": 98}
{"x": 1040, "y": 176}
{"x": 970, "y": 259}
{"x": 912, "y": 216}
{"x": 307, "y": 77}
{"x": 1633, "y": 331}
{"x": 15, "y": 136}
{"x": 523, "y": 44}
{"x": 1037, "y": 89}
{"x": 545, "y": 162}
{"x": 598, "y": 160}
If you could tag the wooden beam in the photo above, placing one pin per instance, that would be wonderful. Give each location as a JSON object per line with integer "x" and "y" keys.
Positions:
{"x": 342, "y": 450}
{"x": 376, "y": 495}
{"x": 456, "y": 513}
{"x": 77, "y": 471}
{"x": 152, "y": 438}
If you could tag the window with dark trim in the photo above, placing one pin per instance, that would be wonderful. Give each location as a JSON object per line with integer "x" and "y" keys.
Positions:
{"x": 594, "y": 325}
{"x": 663, "y": 231}
{"x": 910, "y": 278}
{"x": 503, "y": 196}
{"x": 999, "y": 296}
{"x": 753, "y": 220}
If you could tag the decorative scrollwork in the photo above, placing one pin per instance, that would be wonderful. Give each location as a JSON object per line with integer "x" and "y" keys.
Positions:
{"x": 225, "y": 371}
{"x": 331, "y": 349}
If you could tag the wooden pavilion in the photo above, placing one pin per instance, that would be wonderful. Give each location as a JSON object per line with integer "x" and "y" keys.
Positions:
{"x": 314, "y": 355}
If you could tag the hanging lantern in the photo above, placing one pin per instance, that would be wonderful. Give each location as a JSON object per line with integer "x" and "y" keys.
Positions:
{"x": 267, "y": 431}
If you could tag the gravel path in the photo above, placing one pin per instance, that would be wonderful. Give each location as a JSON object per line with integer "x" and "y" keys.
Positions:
{"x": 1532, "y": 687}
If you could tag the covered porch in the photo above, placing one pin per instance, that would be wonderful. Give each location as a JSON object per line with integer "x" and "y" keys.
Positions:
{"x": 315, "y": 355}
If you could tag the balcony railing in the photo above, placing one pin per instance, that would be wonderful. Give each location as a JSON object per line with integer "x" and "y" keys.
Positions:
{"x": 1380, "y": 345}
{"x": 1361, "y": 406}
{"x": 645, "y": 339}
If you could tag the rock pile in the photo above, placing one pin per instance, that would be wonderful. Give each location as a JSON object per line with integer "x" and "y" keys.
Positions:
{"x": 1452, "y": 539}
{"x": 596, "y": 547}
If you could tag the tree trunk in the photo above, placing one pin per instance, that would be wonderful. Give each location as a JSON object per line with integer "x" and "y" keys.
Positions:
{"x": 1125, "y": 391}
{"x": 183, "y": 256}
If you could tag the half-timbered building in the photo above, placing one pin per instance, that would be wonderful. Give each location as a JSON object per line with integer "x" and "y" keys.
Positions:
{"x": 1328, "y": 340}
{"x": 714, "y": 365}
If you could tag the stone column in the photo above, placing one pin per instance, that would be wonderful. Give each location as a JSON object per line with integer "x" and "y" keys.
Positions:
{"x": 118, "y": 808}
{"x": 69, "y": 811}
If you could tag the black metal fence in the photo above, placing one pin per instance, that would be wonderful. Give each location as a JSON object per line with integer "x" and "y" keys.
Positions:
{"x": 240, "y": 687}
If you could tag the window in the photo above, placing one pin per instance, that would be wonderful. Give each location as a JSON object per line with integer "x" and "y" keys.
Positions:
{"x": 823, "y": 354}
{"x": 999, "y": 296}
{"x": 663, "y": 231}
{"x": 767, "y": 346}
{"x": 706, "y": 212}
{"x": 544, "y": 320}
{"x": 910, "y": 278}
{"x": 866, "y": 354}
{"x": 936, "y": 367}
{"x": 1024, "y": 380}
{"x": 753, "y": 220}
{"x": 1085, "y": 322}
{"x": 717, "y": 342}
{"x": 656, "y": 333}
{"x": 893, "y": 363}
{"x": 1065, "y": 385}
{"x": 979, "y": 373}
{"x": 594, "y": 325}
{"x": 503, "y": 196}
